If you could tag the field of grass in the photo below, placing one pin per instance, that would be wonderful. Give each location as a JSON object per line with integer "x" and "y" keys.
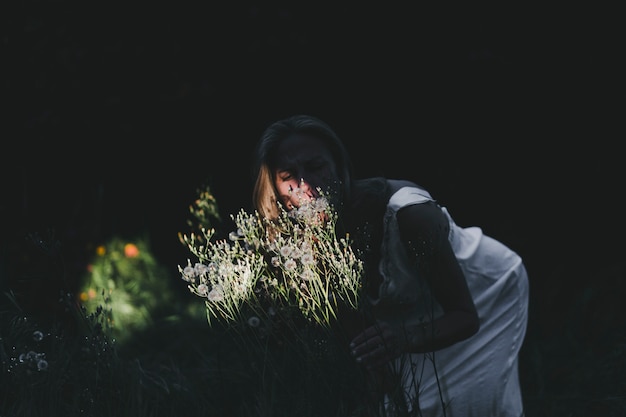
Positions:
{"x": 63, "y": 355}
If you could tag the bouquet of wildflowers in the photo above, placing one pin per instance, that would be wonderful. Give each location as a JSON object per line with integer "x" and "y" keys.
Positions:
{"x": 295, "y": 263}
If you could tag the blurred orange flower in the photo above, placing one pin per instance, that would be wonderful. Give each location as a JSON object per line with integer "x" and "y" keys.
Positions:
{"x": 131, "y": 250}
{"x": 89, "y": 295}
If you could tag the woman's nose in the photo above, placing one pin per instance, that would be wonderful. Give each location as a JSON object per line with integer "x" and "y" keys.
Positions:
{"x": 300, "y": 189}
{"x": 303, "y": 185}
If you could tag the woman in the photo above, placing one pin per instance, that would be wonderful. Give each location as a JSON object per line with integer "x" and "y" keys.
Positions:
{"x": 447, "y": 305}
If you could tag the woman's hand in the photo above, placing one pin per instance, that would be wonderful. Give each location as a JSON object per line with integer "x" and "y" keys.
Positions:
{"x": 379, "y": 344}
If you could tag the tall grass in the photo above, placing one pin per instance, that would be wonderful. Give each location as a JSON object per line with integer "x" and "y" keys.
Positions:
{"x": 64, "y": 352}
{"x": 68, "y": 359}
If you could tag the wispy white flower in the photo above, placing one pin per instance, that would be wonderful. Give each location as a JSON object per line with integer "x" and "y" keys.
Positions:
{"x": 308, "y": 274}
{"x": 216, "y": 294}
{"x": 307, "y": 259}
{"x": 189, "y": 273}
{"x": 200, "y": 269}
{"x": 285, "y": 251}
{"x": 291, "y": 262}
{"x": 203, "y": 290}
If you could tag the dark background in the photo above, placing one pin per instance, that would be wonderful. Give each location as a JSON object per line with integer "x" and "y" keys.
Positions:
{"x": 116, "y": 112}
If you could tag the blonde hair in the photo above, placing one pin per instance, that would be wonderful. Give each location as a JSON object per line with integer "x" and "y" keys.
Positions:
{"x": 264, "y": 193}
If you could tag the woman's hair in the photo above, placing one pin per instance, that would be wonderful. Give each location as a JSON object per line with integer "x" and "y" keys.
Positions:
{"x": 264, "y": 192}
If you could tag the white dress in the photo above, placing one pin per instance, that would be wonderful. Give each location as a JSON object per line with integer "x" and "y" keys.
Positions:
{"x": 477, "y": 377}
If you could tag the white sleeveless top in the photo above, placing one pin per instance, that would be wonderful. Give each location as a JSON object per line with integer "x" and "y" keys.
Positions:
{"x": 478, "y": 376}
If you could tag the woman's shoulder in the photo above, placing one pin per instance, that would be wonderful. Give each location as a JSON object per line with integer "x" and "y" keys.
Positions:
{"x": 404, "y": 192}
{"x": 381, "y": 190}
{"x": 398, "y": 184}
{"x": 372, "y": 189}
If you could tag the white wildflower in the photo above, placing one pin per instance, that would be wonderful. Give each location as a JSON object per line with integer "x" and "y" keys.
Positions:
{"x": 286, "y": 251}
{"x": 216, "y": 294}
{"x": 307, "y": 258}
{"x": 290, "y": 264}
{"x": 203, "y": 290}
{"x": 294, "y": 261}
{"x": 188, "y": 273}
{"x": 200, "y": 269}
{"x": 308, "y": 274}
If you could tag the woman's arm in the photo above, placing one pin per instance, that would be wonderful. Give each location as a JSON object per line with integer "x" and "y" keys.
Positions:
{"x": 424, "y": 230}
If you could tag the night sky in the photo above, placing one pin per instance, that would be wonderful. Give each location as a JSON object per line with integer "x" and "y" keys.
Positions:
{"x": 116, "y": 113}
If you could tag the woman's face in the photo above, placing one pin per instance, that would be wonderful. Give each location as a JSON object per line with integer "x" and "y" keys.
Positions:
{"x": 303, "y": 164}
